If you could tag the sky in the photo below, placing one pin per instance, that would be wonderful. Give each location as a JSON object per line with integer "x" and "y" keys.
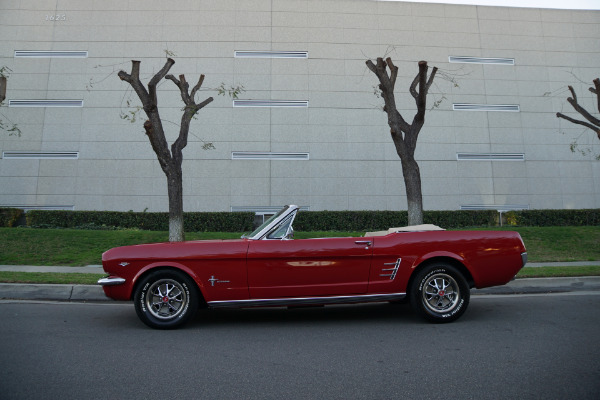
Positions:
{"x": 562, "y": 4}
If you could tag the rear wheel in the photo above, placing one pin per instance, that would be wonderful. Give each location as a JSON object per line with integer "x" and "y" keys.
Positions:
{"x": 166, "y": 299}
{"x": 439, "y": 293}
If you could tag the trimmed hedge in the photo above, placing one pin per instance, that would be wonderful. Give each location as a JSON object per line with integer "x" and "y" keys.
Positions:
{"x": 10, "y": 216}
{"x": 305, "y": 221}
{"x": 152, "y": 221}
{"x": 590, "y": 217}
{"x": 380, "y": 220}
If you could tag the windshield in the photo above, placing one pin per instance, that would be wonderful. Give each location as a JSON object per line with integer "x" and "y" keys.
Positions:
{"x": 267, "y": 222}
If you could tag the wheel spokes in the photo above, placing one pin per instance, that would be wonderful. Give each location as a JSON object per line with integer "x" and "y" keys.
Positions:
{"x": 440, "y": 293}
{"x": 166, "y": 299}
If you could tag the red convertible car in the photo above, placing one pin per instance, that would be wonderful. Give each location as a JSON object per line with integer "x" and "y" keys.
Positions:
{"x": 432, "y": 268}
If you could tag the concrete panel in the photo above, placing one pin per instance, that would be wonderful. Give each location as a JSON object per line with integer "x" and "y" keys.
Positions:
{"x": 63, "y": 185}
{"x": 19, "y": 168}
{"x": 19, "y": 185}
{"x": 440, "y": 186}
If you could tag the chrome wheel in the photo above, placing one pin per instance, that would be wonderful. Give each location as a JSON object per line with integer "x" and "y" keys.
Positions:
{"x": 166, "y": 299}
{"x": 441, "y": 293}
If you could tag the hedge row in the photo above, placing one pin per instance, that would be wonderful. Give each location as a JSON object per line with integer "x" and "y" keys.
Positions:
{"x": 589, "y": 217}
{"x": 152, "y": 221}
{"x": 10, "y": 216}
{"x": 381, "y": 220}
{"x": 305, "y": 221}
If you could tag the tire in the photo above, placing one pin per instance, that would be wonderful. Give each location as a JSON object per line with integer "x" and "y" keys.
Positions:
{"x": 166, "y": 299}
{"x": 439, "y": 293}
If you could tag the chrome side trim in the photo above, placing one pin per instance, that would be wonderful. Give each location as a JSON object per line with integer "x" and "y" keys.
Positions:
{"x": 111, "y": 281}
{"x": 292, "y": 301}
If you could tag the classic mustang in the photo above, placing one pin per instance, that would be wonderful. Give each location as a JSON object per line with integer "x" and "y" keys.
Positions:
{"x": 432, "y": 268}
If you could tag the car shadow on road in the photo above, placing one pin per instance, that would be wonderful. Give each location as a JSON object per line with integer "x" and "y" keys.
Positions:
{"x": 331, "y": 314}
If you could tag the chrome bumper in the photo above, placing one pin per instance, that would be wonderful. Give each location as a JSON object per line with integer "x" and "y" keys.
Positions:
{"x": 111, "y": 281}
{"x": 524, "y": 258}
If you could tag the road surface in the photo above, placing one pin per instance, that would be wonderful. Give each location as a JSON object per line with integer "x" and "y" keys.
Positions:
{"x": 504, "y": 347}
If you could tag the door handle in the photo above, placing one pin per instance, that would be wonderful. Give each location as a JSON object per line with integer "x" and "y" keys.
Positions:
{"x": 365, "y": 243}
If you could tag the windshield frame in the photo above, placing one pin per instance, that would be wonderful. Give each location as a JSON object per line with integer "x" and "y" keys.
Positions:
{"x": 273, "y": 223}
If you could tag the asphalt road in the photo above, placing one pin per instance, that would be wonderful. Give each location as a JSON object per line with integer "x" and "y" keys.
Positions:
{"x": 504, "y": 347}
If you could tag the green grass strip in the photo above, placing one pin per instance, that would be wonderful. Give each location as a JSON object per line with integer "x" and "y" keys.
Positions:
{"x": 549, "y": 272}
{"x": 50, "y": 277}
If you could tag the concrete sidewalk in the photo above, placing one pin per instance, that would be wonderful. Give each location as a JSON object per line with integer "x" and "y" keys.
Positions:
{"x": 89, "y": 269}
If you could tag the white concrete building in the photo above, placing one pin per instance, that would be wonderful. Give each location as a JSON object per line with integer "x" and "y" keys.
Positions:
{"x": 318, "y": 137}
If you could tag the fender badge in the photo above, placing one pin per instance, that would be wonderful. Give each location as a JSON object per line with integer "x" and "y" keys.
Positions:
{"x": 124, "y": 264}
{"x": 212, "y": 281}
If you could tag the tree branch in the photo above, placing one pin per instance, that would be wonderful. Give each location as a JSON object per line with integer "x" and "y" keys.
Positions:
{"x": 430, "y": 81}
{"x": 197, "y": 87}
{"x": 157, "y": 78}
{"x": 204, "y": 103}
{"x": 413, "y": 87}
{"x": 134, "y": 80}
{"x": 578, "y": 122}
{"x": 393, "y": 71}
{"x": 386, "y": 85}
{"x": 584, "y": 113}
{"x": 596, "y": 91}
{"x": 573, "y": 93}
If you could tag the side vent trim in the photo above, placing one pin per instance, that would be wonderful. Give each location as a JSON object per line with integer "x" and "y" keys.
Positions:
{"x": 490, "y": 156}
{"x": 51, "y": 54}
{"x": 45, "y": 103}
{"x": 486, "y": 107}
{"x": 257, "y": 155}
{"x": 47, "y": 207}
{"x": 269, "y": 54}
{"x": 481, "y": 60}
{"x": 498, "y": 207}
{"x": 40, "y": 155}
{"x": 271, "y": 103}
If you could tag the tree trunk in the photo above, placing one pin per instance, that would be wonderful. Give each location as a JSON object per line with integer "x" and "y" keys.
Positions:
{"x": 170, "y": 160}
{"x": 2, "y": 88}
{"x": 412, "y": 183}
{"x": 175, "y": 190}
{"x": 403, "y": 134}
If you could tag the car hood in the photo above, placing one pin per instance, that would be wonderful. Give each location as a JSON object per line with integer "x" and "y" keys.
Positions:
{"x": 177, "y": 250}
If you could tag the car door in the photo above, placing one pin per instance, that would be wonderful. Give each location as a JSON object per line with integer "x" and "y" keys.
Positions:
{"x": 308, "y": 267}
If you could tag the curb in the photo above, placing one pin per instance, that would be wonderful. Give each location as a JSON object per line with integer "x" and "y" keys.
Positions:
{"x": 544, "y": 285}
{"x": 83, "y": 293}
{"x": 30, "y": 291}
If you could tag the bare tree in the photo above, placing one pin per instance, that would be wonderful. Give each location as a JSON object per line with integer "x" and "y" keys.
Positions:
{"x": 403, "y": 134}
{"x": 592, "y": 122}
{"x": 5, "y": 123}
{"x": 170, "y": 159}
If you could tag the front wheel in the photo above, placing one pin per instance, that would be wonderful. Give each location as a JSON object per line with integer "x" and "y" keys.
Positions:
{"x": 439, "y": 293}
{"x": 166, "y": 299}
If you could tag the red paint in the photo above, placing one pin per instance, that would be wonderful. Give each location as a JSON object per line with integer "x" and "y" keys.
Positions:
{"x": 264, "y": 269}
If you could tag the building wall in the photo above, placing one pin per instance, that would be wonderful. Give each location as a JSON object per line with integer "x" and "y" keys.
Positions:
{"x": 352, "y": 161}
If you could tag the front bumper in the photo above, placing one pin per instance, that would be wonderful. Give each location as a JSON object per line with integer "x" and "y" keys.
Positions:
{"x": 111, "y": 281}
